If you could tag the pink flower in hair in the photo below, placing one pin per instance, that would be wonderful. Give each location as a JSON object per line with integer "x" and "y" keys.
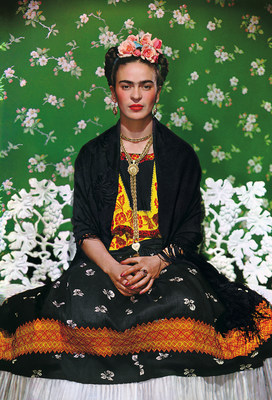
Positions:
{"x": 133, "y": 38}
{"x": 149, "y": 53}
{"x": 146, "y": 39}
{"x": 137, "y": 53}
{"x": 141, "y": 46}
{"x": 126, "y": 48}
{"x": 157, "y": 43}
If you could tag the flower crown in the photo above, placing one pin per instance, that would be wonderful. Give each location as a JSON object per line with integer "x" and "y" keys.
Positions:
{"x": 142, "y": 46}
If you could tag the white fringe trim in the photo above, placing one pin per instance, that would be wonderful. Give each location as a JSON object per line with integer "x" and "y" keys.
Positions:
{"x": 246, "y": 385}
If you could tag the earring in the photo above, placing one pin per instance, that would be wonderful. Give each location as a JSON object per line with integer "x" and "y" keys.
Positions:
{"x": 115, "y": 110}
{"x": 155, "y": 110}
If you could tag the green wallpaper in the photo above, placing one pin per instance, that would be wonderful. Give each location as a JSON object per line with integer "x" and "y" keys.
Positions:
{"x": 54, "y": 97}
{"x": 226, "y": 102}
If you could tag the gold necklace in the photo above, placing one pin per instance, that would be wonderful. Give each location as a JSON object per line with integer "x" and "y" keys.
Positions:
{"x": 133, "y": 170}
{"x": 135, "y": 140}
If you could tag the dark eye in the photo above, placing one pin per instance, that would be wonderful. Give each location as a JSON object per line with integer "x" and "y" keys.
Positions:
{"x": 147, "y": 87}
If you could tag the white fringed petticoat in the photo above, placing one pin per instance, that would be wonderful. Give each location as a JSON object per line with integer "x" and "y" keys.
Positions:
{"x": 246, "y": 385}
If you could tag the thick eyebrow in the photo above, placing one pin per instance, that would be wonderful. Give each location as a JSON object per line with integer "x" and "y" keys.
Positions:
{"x": 141, "y": 82}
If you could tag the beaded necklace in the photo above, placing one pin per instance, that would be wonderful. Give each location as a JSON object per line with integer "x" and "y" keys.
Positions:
{"x": 133, "y": 169}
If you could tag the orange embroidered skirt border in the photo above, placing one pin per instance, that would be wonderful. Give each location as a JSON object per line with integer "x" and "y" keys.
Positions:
{"x": 179, "y": 334}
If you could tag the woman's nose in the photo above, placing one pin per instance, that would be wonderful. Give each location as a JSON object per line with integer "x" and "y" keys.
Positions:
{"x": 136, "y": 94}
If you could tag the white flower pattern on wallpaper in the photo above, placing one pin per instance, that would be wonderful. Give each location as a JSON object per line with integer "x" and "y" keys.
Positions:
{"x": 5, "y": 152}
{"x": 53, "y": 100}
{"x": 65, "y": 63}
{"x": 252, "y": 26}
{"x": 211, "y": 125}
{"x": 9, "y": 73}
{"x": 217, "y": 97}
{"x": 249, "y": 124}
{"x": 179, "y": 119}
{"x": 180, "y": 16}
{"x": 258, "y": 67}
{"x": 158, "y": 10}
{"x": 31, "y": 123}
{"x": 32, "y": 15}
{"x": 215, "y": 24}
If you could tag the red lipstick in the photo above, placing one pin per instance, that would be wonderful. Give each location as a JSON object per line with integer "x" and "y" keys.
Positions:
{"x": 136, "y": 107}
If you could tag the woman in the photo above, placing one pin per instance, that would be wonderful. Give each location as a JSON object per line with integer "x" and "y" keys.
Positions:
{"x": 138, "y": 302}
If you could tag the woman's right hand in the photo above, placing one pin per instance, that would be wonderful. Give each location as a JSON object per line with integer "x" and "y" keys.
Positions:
{"x": 119, "y": 282}
{"x": 97, "y": 252}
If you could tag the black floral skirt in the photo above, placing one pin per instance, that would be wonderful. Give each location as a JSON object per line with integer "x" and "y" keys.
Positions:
{"x": 80, "y": 328}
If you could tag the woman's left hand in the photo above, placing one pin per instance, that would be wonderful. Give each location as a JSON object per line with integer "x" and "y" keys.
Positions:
{"x": 144, "y": 270}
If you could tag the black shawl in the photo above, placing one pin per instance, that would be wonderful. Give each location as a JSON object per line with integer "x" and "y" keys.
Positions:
{"x": 180, "y": 211}
{"x": 178, "y": 175}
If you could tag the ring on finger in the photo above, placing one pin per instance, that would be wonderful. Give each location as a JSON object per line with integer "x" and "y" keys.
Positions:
{"x": 144, "y": 271}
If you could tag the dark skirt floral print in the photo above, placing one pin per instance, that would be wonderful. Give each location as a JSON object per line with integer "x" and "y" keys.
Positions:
{"x": 80, "y": 328}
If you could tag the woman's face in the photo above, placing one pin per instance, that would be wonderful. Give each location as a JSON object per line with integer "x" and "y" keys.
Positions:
{"x": 135, "y": 91}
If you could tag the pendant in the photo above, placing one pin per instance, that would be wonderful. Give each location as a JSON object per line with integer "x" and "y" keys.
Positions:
{"x": 136, "y": 246}
{"x": 133, "y": 169}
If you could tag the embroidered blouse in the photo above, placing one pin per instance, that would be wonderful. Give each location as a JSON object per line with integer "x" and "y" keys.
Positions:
{"x": 147, "y": 204}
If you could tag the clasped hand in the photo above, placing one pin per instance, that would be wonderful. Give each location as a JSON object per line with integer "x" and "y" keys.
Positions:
{"x": 139, "y": 277}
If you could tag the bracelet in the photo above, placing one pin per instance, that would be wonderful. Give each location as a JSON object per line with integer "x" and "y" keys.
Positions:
{"x": 162, "y": 261}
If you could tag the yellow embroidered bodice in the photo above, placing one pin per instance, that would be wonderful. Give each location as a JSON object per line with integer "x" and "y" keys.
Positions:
{"x": 122, "y": 224}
